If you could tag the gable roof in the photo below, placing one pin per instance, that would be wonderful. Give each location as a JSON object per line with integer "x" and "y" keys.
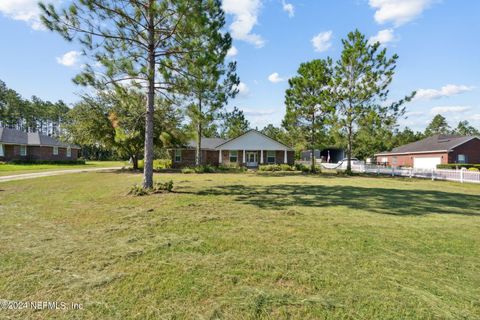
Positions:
{"x": 206, "y": 143}
{"x": 436, "y": 143}
{"x": 12, "y": 136}
{"x": 262, "y": 142}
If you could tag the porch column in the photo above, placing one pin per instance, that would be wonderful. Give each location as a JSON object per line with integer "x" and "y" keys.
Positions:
{"x": 261, "y": 156}
{"x": 244, "y": 157}
{"x": 220, "y": 156}
{"x": 285, "y": 156}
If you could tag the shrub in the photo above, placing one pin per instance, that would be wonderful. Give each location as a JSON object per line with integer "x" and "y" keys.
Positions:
{"x": 231, "y": 168}
{"x": 188, "y": 170}
{"x": 286, "y": 167}
{"x": 473, "y": 169}
{"x": 158, "y": 187}
{"x": 158, "y": 164}
{"x": 204, "y": 169}
{"x": 458, "y": 166}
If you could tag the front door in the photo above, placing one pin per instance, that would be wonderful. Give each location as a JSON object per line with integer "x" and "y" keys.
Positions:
{"x": 252, "y": 159}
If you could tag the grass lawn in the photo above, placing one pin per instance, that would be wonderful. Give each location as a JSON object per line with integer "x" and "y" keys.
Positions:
{"x": 242, "y": 246}
{"x": 12, "y": 169}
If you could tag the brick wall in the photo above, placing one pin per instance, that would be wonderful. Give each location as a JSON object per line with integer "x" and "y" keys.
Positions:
{"x": 470, "y": 149}
{"x": 12, "y": 152}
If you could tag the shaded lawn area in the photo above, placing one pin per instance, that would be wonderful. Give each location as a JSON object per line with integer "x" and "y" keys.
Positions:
{"x": 229, "y": 246}
{"x": 13, "y": 169}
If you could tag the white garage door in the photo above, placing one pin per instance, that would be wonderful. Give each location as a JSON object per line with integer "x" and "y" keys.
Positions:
{"x": 426, "y": 163}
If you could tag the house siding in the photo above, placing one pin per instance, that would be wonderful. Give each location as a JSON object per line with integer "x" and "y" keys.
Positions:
{"x": 471, "y": 149}
{"x": 188, "y": 158}
{"x": 407, "y": 160}
{"x": 12, "y": 152}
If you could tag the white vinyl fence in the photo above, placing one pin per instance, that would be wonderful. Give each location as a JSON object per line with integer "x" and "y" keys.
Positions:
{"x": 462, "y": 175}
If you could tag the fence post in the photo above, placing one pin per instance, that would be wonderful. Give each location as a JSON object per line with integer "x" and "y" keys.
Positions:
{"x": 461, "y": 175}
{"x": 411, "y": 173}
{"x": 393, "y": 171}
{"x": 433, "y": 174}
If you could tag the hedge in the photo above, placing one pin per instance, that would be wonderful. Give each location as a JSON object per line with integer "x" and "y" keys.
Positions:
{"x": 458, "y": 166}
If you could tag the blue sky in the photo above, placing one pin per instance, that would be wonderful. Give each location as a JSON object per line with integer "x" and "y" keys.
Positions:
{"x": 437, "y": 41}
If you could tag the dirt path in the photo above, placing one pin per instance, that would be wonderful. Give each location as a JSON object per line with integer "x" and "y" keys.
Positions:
{"x": 23, "y": 176}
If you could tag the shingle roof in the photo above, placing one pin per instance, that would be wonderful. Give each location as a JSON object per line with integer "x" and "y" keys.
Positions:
{"x": 435, "y": 143}
{"x": 12, "y": 136}
{"x": 206, "y": 143}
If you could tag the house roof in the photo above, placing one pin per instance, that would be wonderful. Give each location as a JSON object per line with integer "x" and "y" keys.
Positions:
{"x": 12, "y": 136}
{"x": 264, "y": 142}
{"x": 206, "y": 143}
{"x": 436, "y": 143}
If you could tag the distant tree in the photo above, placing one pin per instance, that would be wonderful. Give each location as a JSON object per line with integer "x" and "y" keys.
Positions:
{"x": 273, "y": 132}
{"x": 374, "y": 134}
{"x": 360, "y": 86}
{"x": 308, "y": 103}
{"x": 144, "y": 42}
{"x": 406, "y": 136}
{"x": 233, "y": 124}
{"x": 438, "y": 125}
{"x": 465, "y": 129}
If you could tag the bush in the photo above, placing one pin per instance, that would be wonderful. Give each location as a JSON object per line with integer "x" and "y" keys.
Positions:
{"x": 188, "y": 170}
{"x": 79, "y": 161}
{"x": 473, "y": 169}
{"x": 205, "y": 169}
{"x": 276, "y": 167}
{"x": 458, "y": 166}
{"x": 158, "y": 187}
{"x": 158, "y": 164}
{"x": 231, "y": 168}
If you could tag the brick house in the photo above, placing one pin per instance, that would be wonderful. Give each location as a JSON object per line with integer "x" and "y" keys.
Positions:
{"x": 32, "y": 146}
{"x": 249, "y": 149}
{"x": 432, "y": 151}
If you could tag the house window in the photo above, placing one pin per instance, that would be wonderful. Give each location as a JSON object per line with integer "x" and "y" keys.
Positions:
{"x": 394, "y": 160}
{"x": 2, "y": 153}
{"x": 55, "y": 151}
{"x": 69, "y": 152}
{"x": 23, "y": 151}
{"x": 233, "y": 156}
{"x": 178, "y": 155}
{"x": 270, "y": 156}
{"x": 461, "y": 158}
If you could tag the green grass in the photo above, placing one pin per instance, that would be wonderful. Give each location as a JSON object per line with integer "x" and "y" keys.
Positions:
{"x": 242, "y": 246}
{"x": 12, "y": 169}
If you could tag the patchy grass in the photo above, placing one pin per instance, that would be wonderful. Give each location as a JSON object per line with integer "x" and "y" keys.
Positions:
{"x": 229, "y": 246}
{"x": 12, "y": 169}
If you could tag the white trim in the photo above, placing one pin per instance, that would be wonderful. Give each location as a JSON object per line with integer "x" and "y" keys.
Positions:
{"x": 179, "y": 156}
{"x": 55, "y": 151}
{"x": 274, "y": 156}
{"x": 285, "y": 160}
{"x": 230, "y": 156}
{"x": 69, "y": 152}
{"x": 220, "y": 156}
{"x": 2, "y": 150}
{"x": 244, "y": 156}
{"x": 261, "y": 156}
{"x": 413, "y": 152}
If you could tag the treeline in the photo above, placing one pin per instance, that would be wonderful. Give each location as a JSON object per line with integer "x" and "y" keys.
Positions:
{"x": 30, "y": 115}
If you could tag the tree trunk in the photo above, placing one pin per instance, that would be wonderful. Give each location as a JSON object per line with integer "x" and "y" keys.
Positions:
{"x": 312, "y": 145}
{"x": 148, "y": 158}
{"x": 349, "y": 150}
{"x": 135, "y": 162}
{"x": 198, "y": 156}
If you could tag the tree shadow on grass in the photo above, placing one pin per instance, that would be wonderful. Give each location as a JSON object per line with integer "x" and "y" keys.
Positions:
{"x": 379, "y": 200}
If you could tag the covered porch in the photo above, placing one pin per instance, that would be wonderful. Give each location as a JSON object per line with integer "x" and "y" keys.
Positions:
{"x": 255, "y": 158}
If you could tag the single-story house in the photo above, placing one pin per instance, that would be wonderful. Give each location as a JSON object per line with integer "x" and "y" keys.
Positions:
{"x": 432, "y": 151}
{"x": 31, "y": 146}
{"x": 330, "y": 155}
{"x": 249, "y": 149}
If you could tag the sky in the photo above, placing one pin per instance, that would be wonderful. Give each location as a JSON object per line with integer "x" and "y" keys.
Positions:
{"x": 437, "y": 42}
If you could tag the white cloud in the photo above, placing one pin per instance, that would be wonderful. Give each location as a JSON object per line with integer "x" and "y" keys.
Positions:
{"x": 275, "y": 78}
{"x": 24, "y": 10}
{"x": 245, "y": 14}
{"x": 414, "y": 113}
{"x": 449, "y": 109}
{"x": 288, "y": 8}
{"x": 445, "y": 91}
{"x": 243, "y": 89}
{"x": 69, "y": 59}
{"x": 476, "y": 117}
{"x": 383, "y": 36}
{"x": 321, "y": 42}
{"x": 398, "y": 11}
{"x": 232, "y": 52}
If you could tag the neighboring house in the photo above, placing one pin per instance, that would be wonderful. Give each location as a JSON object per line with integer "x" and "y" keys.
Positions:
{"x": 330, "y": 155}
{"x": 249, "y": 149}
{"x": 432, "y": 151}
{"x": 19, "y": 145}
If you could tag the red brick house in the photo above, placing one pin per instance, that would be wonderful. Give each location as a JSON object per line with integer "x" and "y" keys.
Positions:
{"x": 432, "y": 151}
{"x": 32, "y": 146}
{"x": 249, "y": 149}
